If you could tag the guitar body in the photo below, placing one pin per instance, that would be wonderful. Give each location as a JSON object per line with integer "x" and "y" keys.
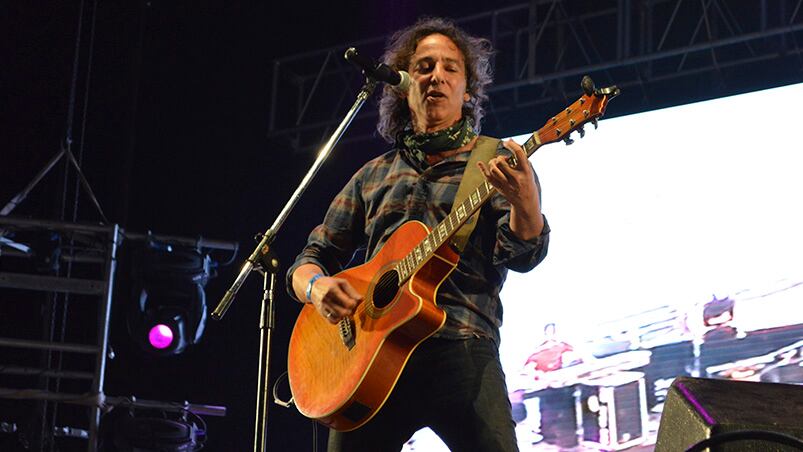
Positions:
{"x": 343, "y": 383}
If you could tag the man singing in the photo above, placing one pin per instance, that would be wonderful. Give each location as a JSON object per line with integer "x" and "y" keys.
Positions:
{"x": 453, "y": 382}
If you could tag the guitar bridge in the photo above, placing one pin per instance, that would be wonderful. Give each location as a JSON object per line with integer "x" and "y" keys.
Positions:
{"x": 347, "y": 332}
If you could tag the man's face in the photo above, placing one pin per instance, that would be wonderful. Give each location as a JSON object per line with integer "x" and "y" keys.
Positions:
{"x": 438, "y": 91}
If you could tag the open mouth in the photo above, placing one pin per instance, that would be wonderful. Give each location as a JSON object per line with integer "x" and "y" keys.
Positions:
{"x": 435, "y": 95}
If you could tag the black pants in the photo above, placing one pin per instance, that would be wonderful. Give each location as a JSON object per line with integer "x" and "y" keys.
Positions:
{"x": 455, "y": 387}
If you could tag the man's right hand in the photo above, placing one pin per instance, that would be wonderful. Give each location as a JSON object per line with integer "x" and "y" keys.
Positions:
{"x": 334, "y": 298}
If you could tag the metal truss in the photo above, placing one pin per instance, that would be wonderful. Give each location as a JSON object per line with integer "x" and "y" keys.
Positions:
{"x": 91, "y": 254}
{"x": 57, "y": 369}
{"x": 663, "y": 52}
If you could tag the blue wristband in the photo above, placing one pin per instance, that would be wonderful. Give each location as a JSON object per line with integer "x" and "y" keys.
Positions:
{"x": 311, "y": 282}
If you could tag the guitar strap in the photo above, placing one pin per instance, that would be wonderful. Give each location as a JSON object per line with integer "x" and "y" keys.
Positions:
{"x": 484, "y": 150}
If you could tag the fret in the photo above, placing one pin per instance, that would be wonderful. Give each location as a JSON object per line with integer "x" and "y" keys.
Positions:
{"x": 403, "y": 266}
{"x": 427, "y": 246}
{"x": 536, "y": 143}
{"x": 410, "y": 262}
{"x": 418, "y": 257}
{"x": 442, "y": 231}
{"x": 475, "y": 198}
{"x": 451, "y": 225}
{"x": 461, "y": 212}
{"x": 529, "y": 143}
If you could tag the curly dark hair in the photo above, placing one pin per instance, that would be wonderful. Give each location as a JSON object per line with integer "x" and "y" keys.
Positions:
{"x": 394, "y": 114}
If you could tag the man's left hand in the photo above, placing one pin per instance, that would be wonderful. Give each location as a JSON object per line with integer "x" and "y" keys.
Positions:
{"x": 516, "y": 183}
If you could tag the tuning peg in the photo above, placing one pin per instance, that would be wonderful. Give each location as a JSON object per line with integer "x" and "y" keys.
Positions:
{"x": 568, "y": 140}
{"x": 581, "y": 130}
{"x": 594, "y": 121}
{"x": 588, "y": 85}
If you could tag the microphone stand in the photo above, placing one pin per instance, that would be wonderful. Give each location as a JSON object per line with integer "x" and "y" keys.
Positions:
{"x": 262, "y": 260}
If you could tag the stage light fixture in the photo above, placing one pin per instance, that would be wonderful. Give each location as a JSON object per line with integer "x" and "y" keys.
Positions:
{"x": 169, "y": 311}
{"x": 128, "y": 430}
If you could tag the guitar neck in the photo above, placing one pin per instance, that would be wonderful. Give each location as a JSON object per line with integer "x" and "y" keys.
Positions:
{"x": 424, "y": 251}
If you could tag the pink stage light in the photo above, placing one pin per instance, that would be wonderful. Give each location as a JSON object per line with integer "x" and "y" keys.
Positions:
{"x": 160, "y": 336}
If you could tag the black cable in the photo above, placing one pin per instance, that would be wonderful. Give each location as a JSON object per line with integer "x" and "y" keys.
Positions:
{"x": 741, "y": 435}
{"x": 314, "y": 436}
{"x": 88, "y": 78}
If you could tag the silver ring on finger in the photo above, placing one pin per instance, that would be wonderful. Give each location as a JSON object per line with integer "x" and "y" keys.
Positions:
{"x": 513, "y": 161}
{"x": 329, "y": 314}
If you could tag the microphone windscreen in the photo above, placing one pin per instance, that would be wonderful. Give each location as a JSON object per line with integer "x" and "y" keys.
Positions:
{"x": 404, "y": 84}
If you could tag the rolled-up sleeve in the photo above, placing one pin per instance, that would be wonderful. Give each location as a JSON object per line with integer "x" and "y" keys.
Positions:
{"x": 517, "y": 254}
{"x": 514, "y": 253}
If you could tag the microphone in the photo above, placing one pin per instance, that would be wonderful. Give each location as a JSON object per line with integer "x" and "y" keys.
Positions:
{"x": 399, "y": 80}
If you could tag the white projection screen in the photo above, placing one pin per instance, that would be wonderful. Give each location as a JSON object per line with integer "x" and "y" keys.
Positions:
{"x": 676, "y": 249}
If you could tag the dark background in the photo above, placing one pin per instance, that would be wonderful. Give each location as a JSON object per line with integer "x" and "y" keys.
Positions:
{"x": 173, "y": 140}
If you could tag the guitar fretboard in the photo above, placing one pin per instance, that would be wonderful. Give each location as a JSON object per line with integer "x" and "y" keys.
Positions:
{"x": 456, "y": 218}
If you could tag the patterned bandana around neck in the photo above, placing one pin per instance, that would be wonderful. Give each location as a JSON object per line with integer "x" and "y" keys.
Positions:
{"x": 447, "y": 139}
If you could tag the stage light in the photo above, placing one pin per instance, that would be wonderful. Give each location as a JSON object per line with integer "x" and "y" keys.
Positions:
{"x": 169, "y": 311}
{"x": 130, "y": 430}
{"x": 160, "y": 336}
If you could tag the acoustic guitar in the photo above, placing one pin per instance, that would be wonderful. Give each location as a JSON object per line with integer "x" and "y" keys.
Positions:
{"x": 341, "y": 375}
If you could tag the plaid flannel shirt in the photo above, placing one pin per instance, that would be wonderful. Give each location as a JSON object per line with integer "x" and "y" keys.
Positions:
{"x": 398, "y": 187}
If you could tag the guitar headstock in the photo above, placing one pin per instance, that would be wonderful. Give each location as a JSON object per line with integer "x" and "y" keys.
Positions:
{"x": 588, "y": 108}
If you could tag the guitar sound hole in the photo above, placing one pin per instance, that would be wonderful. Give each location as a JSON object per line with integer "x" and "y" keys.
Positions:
{"x": 385, "y": 290}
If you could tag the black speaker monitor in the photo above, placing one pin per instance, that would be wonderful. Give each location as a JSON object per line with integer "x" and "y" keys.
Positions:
{"x": 698, "y": 409}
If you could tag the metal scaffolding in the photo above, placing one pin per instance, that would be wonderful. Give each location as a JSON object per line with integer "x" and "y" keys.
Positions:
{"x": 665, "y": 51}
{"x": 66, "y": 267}
{"x": 90, "y": 254}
